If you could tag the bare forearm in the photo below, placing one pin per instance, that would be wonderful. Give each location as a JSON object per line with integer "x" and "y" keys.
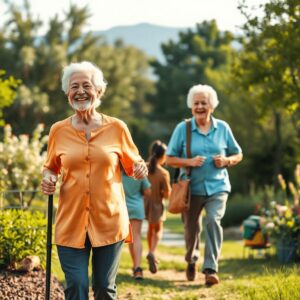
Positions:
{"x": 234, "y": 159}
{"x": 178, "y": 162}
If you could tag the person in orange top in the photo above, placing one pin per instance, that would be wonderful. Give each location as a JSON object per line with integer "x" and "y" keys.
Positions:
{"x": 154, "y": 208}
{"x": 87, "y": 149}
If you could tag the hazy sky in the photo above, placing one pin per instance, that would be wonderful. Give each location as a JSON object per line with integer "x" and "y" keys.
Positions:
{"x": 175, "y": 13}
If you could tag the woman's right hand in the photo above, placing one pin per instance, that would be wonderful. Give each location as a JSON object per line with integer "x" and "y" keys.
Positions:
{"x": 197, "y": 161}
{"x": 48, "y": 184}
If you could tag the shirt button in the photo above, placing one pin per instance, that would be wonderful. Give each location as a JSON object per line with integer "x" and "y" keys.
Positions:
{"x": 87, "y": 192}
{"x": 87, "y": 175}
{"x": 86, "y": 158}
{"x": 87, "y": 208}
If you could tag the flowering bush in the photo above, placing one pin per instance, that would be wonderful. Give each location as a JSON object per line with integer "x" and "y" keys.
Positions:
{"x": 282, "y": 221}
{"x": 21, "y": 160}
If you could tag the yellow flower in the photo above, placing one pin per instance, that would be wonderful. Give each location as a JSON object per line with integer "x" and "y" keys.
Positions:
{"x": 290, "y": 223}
{"x": 282, "y": 182}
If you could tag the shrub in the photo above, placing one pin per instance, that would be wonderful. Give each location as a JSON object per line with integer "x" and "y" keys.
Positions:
{"x": 22, "y": 233}
{"x": 21, "y": 161}
{"x": 238, "y": 208}
{"x": 282, "y": 222}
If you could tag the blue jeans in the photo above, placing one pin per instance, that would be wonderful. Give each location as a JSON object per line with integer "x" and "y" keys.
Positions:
{"x": 105, "y": 262}
{"x": 214, "y": 206}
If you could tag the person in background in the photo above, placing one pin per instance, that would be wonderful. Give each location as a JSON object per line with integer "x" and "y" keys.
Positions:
{"x": 86, "y": 149}
{"x": 214, "y": 149}
{"x": 135, "y": 190}
{"x": 159, "y": 178}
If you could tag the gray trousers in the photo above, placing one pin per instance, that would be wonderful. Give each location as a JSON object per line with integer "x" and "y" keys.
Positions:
{"x": 214, "y": 206}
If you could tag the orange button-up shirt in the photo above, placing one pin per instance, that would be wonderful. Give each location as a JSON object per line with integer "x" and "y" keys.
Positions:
{"x": 91, "y": 198}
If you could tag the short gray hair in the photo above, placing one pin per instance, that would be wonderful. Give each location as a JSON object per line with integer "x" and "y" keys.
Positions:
{"x": 84, "y": 66}
{"x": 202, "y": 88}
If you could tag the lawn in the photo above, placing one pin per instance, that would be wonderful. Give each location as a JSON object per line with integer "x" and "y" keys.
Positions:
{"x": 241, "y": 278}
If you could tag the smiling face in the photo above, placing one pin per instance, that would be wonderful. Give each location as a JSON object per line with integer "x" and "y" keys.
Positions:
{"x": 82, "y": 94}
{"x": 201, "y": 108}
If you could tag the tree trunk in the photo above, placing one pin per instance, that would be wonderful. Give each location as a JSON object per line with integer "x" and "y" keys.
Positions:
{"x": 278, "y": 146}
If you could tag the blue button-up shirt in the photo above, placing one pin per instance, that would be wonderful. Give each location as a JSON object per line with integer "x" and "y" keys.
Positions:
{"x": 207, "y": 179}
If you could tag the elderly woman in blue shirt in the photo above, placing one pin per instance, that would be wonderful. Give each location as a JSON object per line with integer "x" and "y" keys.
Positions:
{"x": 213, "y": 149}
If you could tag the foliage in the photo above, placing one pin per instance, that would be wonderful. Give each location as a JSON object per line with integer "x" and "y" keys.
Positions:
{"x": 200, "y": 56}
{"x": 243, "y": 204}
{"x": 23, "y": 233}
{"x": 21, "y": 160}
{"x": 282, "y": 220}
{"x": 7, "y": 92}
{"x": 266, "y": 72}
{"x": 38, "y": 61}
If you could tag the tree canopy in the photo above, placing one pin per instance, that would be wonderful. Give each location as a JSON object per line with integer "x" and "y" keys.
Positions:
{"x": 38, "y": 61}
{"x": 199, "y": 56}
{"x": 7, "y": 92}
{"x": 267, "y": 71}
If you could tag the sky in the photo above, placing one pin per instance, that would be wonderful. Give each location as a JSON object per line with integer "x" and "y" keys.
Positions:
{"x": 174, "y": 13}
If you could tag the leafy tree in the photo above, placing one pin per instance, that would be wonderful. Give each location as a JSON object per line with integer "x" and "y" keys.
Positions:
{"x": 267, "y": 72}
{"x": 7, "y": 92}
{"x": 200, "y": 56}
{"x": 38, "y": 61}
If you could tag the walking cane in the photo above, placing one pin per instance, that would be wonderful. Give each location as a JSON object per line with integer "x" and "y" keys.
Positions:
{"x": 49, "y": 247}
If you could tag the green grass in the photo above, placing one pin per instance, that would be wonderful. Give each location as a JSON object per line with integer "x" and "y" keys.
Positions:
{"x": 174, "y": 223}
{"x": 241, "y": 278}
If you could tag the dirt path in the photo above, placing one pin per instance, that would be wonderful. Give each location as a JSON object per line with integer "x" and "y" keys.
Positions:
{"x": 179, "y": 283}
{"x": 177, "y": 280}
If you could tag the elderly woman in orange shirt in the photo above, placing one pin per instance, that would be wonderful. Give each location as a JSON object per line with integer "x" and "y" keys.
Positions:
{"x": 87, "y": 149}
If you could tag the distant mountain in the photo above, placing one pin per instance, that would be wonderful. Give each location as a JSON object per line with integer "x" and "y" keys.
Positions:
{"x": 147, "y": 37}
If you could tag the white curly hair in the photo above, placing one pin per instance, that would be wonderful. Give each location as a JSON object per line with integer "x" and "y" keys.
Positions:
{"x": 202, "y": 88}
{"x": 86, "y": 67}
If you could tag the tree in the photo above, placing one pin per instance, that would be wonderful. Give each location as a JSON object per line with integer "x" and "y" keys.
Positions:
{"x": 7, "y": 92}
{"x": 38, "y": 61}
{"x": 268, "y": 71}
{"x": 200, "y": 56}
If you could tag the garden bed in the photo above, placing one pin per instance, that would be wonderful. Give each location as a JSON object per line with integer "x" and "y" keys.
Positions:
{"x": 27, "y": 286}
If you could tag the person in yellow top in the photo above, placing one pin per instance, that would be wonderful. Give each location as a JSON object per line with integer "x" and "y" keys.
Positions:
{"x": 86, "y": 150}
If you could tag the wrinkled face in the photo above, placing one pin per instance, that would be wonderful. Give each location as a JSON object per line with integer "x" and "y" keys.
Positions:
{"x": 201, "y": 108}
{"x": 82, "y": 94}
